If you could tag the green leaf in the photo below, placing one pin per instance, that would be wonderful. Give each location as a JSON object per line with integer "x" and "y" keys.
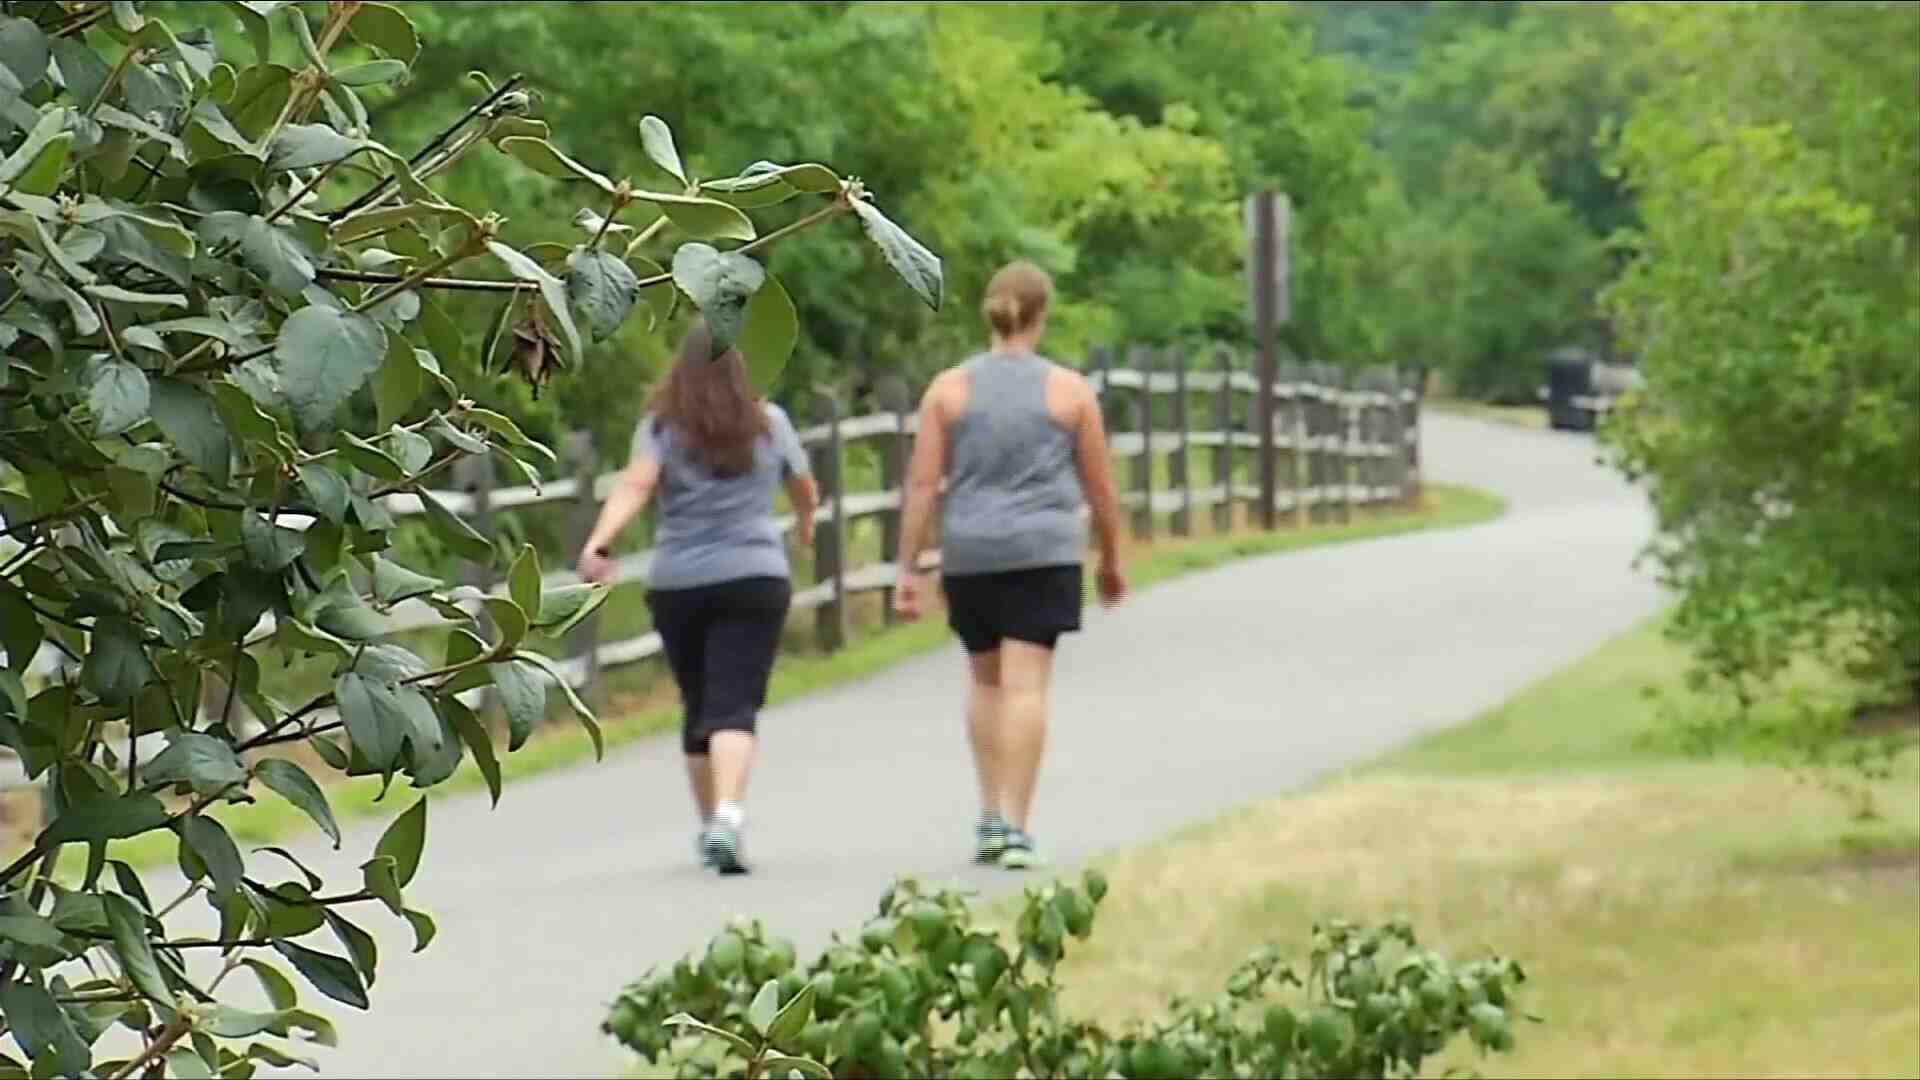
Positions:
{"x": 358, "y": 943}
{"x": 765, "y": 1007}
{"x": 118, "y": 398}
{"x": 42, "y": 174}
{"x": 804, "y": 1067}
{"x": 424, "y": 931}
{"x": 43, "y": 1030}
{"x": 709, "y": 219}
{"x": 372, "y": 73}
{"x": 720, "y": 285}
{"x": 51, "y": 125}
{"x": 97, "y": 820}
{"x": 24, "y": 51}
{"x": 384, "y": 27}
{"x": 291, "y": 782}
{"x": 217, "y": 851}
{"x": 656, "y": 138}
{"x": 579, "y": 707}
{"x": 544, "y": 158}
{"x": 129, "y": 930}
{"x": 772, "y": 329}
{"x": 523, "y": 695}
{"x": 378, "y": 875}
{"x": 231, "y": 1023}
{"x": 523, "y": 583}
{"x": 508, "y": 430}
{"x": 332, "y": 976}
{"x": 552, "y": 290}
{"x": 20, "y": 630}
{"x": 203, "y": 762}
{"x": 393, "y": 583}
{"x": 275, "y": 255}
{"x": 563, "y": 609}
{"x": 269, "y": 548}
{"x": 410, "y": 448}
{"x": 403, "y": 842}
{"x": 117, "y": 665}
{"x": 398, "y": 385}
{"x": 457, "y": 437}
{"x": 918, "y": 267}
{"x": 116, "y": 295}
{"x": 765, "y": 184}
{"x": 793, "y": 1018}
{"x": 373, "y": 717}
{"x": 305, "y": 146}
{"x": 445, "y": 341}
{"x": 455, "y": 533}
{"x": 277, "y": 987}
{"x": 189, "y": 419}
{"x": 328, "y": 490}
{"x": 324, "y": 355}
{"x": 735, "y": 1042}
{"x": 368, "y": 458}
{"x": 32, "y": 930}
{"x": 479, "y": 743}
{"x": 603, "y": 288}
{"x": 344, "y": 614}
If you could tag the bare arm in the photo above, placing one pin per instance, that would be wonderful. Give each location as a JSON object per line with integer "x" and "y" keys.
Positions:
{"x": 924, "y": 473}
{"x": 629, "y": 496}
{"x": 804, "y": 494}
{"x": 1096, "y": 478}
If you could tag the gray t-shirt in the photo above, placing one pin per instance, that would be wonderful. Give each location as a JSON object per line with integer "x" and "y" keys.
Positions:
{"x": 714, "y": 528}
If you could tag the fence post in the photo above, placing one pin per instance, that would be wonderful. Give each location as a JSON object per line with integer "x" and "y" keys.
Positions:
{"x": 893, "y": 479}
{"x": 1346, "y": 421}
{"x": 1179, "y": 468}
{"x": 1291, "y": 438}
{"x": 1143, "y": 464}
{"x": 1101, "y": 360}
{"x": 830, "y": 534}
{"x": 1223, "y": 457}
{"x": 586, "y": 510}
{"x": 1409, "y": 403}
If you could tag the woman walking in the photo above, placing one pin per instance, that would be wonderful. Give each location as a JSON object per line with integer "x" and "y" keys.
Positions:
{"x": 1020, "y": 445}
{"x": 719, "y": 587}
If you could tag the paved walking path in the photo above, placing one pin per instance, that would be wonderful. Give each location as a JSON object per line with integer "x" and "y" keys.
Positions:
{"x": 1201, "y": 694}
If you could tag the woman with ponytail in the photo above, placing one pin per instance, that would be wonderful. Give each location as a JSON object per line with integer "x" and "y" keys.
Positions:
{"x": 1020, "y": 446}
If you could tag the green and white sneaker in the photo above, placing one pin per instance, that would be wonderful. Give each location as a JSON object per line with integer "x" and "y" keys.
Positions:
{"x": 723, "y": 841}
{"x": 989, "y": 838}
{"x": 1019, "y": 853}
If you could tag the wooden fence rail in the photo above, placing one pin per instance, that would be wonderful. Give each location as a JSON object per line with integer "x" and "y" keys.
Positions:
{"x": 1341, "y": 442}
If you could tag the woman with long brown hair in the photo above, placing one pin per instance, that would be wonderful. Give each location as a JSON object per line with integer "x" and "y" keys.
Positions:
{"x": 720, "y": 583}
{"x": 1020, "y": 447}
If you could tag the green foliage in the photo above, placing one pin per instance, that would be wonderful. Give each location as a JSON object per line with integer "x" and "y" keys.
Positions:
{"x": 220, "y": 305}
{"x": 1775, "y": 301}
{"x": 921, "y": 991}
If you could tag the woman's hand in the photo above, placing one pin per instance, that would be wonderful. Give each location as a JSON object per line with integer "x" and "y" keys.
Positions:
{"x": 596, "y": 566}
{"x": 1112, "y": 585}
{"x": 906, "y": 596}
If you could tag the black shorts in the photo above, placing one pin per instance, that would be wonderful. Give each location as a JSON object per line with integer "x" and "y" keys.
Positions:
{"x": 1035, "y": 606}
{"x": 720, "y": 641}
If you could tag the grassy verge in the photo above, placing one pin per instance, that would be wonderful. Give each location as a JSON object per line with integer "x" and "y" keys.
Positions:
{"x": 1526, "y": 416}
{"x": 645, "y": 713}
{"x": 1678, "y": 917}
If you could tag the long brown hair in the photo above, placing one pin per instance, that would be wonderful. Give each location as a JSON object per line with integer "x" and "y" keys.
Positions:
{"x": 1017, "y": 298}
{"x": 710, "y": 403}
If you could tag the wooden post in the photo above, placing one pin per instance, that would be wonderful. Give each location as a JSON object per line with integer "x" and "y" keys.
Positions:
{"x": 1267, "y": 228}
{"x": 1180, "y": 472}
{"x": 1313, "y": 419}
{"x": 1347, "y": 448}
{"x": 1142, "y": 359}
{"x": 1100, "y": 359}
{"x": 586, "y": 510}
{"x": 830, "y": 534}
{"x": 1224, "y": 456}
{"x": 1410, "y": 400}
{"x": 1293, "y": 395}
{"x": 894, "y": 454}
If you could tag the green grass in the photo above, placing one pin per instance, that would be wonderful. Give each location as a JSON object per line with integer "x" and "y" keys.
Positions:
{"x": 272, "y": 820}
{"x": 1678, "y": 916}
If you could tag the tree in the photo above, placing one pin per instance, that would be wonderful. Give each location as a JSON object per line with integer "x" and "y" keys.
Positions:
{"x": 225, "y": 349}
{"x": 1774, "y": 301}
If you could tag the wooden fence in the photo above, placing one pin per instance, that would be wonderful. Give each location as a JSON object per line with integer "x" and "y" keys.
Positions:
{"x": 1341, "y": 442}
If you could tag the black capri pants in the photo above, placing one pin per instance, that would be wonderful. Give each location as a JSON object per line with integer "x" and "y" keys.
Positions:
{"x": 720, "y": 641}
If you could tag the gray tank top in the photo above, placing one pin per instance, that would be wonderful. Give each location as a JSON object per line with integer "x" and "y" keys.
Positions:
{"x": 1013, "y": 497}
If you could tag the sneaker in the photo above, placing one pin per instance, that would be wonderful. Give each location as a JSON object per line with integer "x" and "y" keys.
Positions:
{"x": 700, "y": 848}
{"x": 723, "y": 845}
{"x": 1019, "y": 853}
{"x": 990, "y": 838}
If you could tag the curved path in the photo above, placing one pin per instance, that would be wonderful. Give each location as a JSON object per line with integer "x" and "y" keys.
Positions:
{"x": 1200, "y": 694}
